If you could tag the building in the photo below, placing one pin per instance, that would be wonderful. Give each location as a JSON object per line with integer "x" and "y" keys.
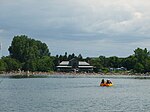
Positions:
{"x": 118, "y": 69}
{"x": 75, "y": 66}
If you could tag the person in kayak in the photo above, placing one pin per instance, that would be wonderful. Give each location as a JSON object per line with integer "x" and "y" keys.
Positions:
{"x": 103, "y": 81}
{"x": 108, "y": 82}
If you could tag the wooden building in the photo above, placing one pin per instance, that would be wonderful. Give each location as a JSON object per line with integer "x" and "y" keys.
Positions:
{"x": 75, "y": 66}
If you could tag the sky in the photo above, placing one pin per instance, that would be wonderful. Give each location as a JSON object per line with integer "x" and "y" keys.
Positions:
{"x": 88, "y": 27}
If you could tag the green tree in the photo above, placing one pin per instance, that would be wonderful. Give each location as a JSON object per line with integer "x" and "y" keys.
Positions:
{"x": 129, "y": 62}
{"x": 28, "y": 51}
{"x": 80, "y": 57}
{"x": 147, "y": 65}
{"x": 139, "y": 68}
{"x": 24, "y": 49}
{"x": 11, "y": 64}
{"x": 69, "y": 57}
{"x": 103, "y": 61}
{"x": 2, "y": 65}
{"x": 65, "y": 58}
{"x": 46, "y": 63}
{"x": 73, "y": 56}
{"x": 60, "y": 58}
{"x": 113, "y": 62}
{"x": 96, "y": 63}
{"x": 30, "y": 65}
{"x": 141, "y": 55}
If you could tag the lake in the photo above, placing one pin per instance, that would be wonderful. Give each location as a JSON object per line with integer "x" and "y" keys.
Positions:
{"x": 74, "y": 94}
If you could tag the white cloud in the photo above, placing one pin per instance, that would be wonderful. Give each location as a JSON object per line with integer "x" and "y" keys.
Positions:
{"x": 138, "y": 15}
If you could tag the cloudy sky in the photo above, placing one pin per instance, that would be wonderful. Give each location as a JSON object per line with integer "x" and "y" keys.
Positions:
{"x": 89, "y": 27}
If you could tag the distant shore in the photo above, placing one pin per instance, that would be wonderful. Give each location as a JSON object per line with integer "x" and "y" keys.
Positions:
{"x": 9, "y": 74}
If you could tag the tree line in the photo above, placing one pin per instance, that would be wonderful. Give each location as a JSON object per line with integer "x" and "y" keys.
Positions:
{"x": 28, "y": 54}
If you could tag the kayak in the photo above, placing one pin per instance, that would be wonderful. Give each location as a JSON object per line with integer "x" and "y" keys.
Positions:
{"x": 107, "y": 85}
{"x": 102, "y": 84}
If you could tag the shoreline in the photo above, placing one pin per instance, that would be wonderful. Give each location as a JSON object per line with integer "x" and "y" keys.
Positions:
{"x": 30, "y": 74}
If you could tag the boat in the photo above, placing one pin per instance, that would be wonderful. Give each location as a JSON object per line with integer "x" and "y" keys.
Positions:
{"x": 102, "y": 84}
{"x": 107, "y": 85}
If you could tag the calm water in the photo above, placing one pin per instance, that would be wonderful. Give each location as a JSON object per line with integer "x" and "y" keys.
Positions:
{"x": 74, "y": 95}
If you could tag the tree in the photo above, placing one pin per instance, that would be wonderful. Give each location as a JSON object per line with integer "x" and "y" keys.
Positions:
{"x": 46, "y": 63}
{"x": 80, "y": 57}
{"x": 60, "y": 58}
{"x": 113, "y": 62}
{"x": 141, "y": 55}
{"x": 73, "y": 56}
{"x": 139, "y": 68}
{"x": 24, "y": 49}
{"x": 30, "y": 65}
{"x": 65, "y": 57}
{"x": 103, "y": 61}
{"x": 88, "y": 59}
{"x": 129, "y": 62}
{"x": 96, "y": 63}
{"x": 2, "y": 65}
{"x": 28, "y": 51}
{"x": 56, "y": 61}
{"x": 69, "y": 57}
{"x": 147, "y": 65}
{"x": 11, "y": 64}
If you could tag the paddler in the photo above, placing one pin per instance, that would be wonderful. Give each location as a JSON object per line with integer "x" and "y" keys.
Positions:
{"x": 102, "y": 82}
{"x": 108, "y": 82}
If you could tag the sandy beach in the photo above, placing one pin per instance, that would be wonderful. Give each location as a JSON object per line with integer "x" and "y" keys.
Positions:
{"x": 46, "y": 74}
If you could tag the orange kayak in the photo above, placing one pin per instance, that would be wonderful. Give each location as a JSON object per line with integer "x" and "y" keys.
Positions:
{"x": 107, "y": 85}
